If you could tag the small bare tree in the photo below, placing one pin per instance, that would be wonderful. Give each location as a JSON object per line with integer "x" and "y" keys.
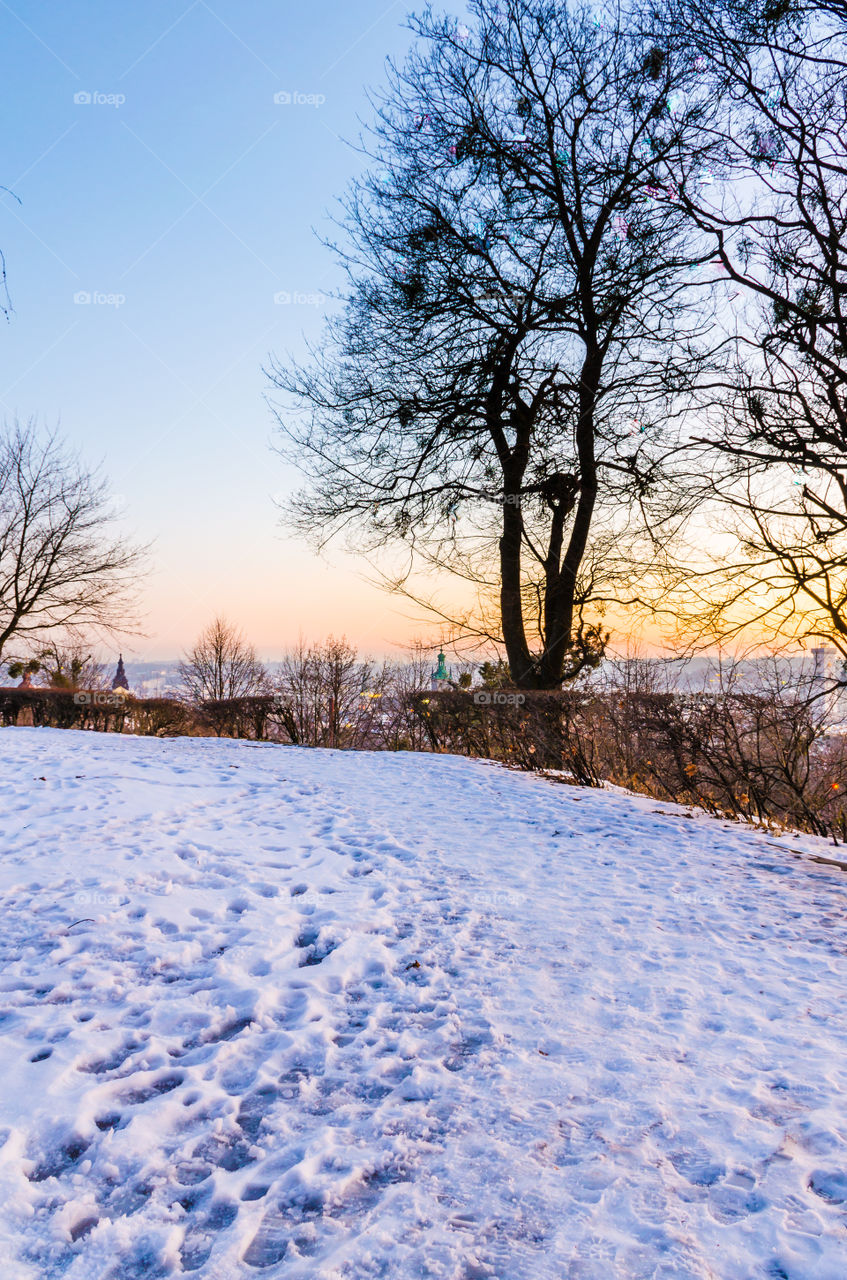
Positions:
{"x": 330, "y": 697}
{"x": 222, "y": 665}
{"x": 403, "y": 728}
{"x": 70, "y": 664}
{"x": 61, "y": 562}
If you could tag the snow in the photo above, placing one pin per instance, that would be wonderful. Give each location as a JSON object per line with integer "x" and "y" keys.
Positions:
{"x": 284, "y": 1013}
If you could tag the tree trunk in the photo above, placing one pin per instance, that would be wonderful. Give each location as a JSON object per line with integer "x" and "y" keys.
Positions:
{"x": 521, "y": 664}
{"x": 560, "y": 589}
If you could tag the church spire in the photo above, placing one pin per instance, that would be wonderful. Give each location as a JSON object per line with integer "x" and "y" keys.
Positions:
{"x": 120, "y": 681}
{"x": 440, "y": 678}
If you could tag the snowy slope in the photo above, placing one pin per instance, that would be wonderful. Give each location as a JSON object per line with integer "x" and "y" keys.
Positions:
{"x": 269, "y": 1012}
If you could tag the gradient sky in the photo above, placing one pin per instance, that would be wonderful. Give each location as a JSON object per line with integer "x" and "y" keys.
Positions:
{"x": 183, "y": 210}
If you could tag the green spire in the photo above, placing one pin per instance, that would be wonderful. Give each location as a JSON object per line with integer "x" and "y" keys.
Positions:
{"x": 441, "y": 672}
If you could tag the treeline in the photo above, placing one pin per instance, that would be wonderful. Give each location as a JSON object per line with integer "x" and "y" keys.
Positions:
{"x": 759, "y": 747}
{"x": 322, "y": 695}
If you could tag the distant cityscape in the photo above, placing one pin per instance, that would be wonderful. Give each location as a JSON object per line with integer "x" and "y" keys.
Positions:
{"x": 161, "y": 677}
{"x": 152, "y": 679}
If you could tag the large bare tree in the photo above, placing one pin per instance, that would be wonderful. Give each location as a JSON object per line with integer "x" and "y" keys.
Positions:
{"x": 62, "y": 563}
{"x": 777, "y": 216}
{"x": 499, "y": 394}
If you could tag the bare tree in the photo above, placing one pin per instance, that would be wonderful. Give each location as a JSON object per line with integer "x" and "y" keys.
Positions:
{"x": 69, "y": 664}
{"x": 61, "y": 562}
{"x": 777, "y": 215}
{"x": 401, "y": 728}
{"x": 499, "y": 395}
{"x": 222, "y": 665}
{"x": 5, "y": 298}
{"x": 330, "y": 697}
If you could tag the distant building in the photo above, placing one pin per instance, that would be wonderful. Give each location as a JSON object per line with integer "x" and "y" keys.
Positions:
{"x": 825, "y": 664}
{"x": 440, "y": 677}
{"x": 828, "y": 680}
{"x": 120, "y": 681}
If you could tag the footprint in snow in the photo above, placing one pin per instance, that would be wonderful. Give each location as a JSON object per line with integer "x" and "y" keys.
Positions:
{"x": 270, "y": 1243}
{"x": 59, "y": 1161}
{"x": 230, "y": 1151}
{"x": 830, "y": 1186}
{"x": 253, "y": 1109}
{"x": 99, "y": 1066}
{"x": 288, "y": 1224}
{"x": 698, "y": 1170}
{"x": 191, "y": 1172}
{"x": 266, "y": 890}
{"x": 163, "y": 1084}
{"x": 82, "y": 1227}
{"x": 200, "y": 1237}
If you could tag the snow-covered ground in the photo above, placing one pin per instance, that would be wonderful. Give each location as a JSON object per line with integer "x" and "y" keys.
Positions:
{"x": 286, "y": 1013}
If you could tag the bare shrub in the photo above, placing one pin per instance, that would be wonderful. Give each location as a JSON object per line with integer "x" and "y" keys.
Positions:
{"x": 70, "y": 664}
{"x": 327, "y": 696}
{"x": 757, "y": 747}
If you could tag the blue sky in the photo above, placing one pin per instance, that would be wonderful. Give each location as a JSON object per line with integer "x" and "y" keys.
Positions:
{"x": 157, "y": 176}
